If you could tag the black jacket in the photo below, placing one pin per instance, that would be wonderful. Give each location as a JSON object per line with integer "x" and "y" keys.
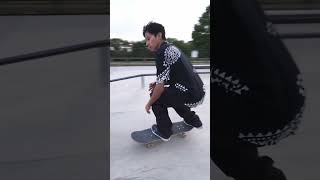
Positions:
{"x": 174, "y": 69}
{"x": 255, "y": 83}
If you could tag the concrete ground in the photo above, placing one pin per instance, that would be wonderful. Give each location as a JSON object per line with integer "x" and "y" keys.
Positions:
{"x": 186, "y": 159}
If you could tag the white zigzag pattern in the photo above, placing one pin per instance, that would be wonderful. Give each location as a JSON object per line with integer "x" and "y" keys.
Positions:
{"x": 272, "y": 138}
{"x": 171, "y": 55}
{"x": 163, "y": 76}
{"x": 229, "y": 83}
{"x": 192, "y": 105}
{"x": 181, "y": 87}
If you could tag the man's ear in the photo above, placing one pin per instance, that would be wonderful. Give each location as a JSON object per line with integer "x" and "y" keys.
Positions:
{"x": 159, "y": 35}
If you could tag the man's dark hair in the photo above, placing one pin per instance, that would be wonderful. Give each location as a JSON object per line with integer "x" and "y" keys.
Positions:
{"x": 154, "y": 28}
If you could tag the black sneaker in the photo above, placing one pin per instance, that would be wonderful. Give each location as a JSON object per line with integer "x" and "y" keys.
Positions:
{"x": 156, "y": 132}
{"x": 271, "y": 172}
{"x": 194, "y": 122}
{"x": 275, "y": 174}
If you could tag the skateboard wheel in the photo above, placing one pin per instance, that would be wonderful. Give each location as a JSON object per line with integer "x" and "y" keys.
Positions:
{"x": 149, "y": 146}
{"x": 182, "y": 135}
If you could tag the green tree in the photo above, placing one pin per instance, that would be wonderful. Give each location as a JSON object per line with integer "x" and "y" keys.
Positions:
{"x": 139, "y": 49}
{"x": 201, "y": 34}
{"x": 117, "y": 47}
{"x": 186, "y": 48}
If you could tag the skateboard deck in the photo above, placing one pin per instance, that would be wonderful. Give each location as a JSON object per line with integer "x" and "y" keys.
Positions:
{"x": 147, "y": 138}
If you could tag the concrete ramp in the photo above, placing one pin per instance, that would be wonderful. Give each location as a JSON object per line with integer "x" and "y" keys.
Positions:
{"x": 180, "y": 158}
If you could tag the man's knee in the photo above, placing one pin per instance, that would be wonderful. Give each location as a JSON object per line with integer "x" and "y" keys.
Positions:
{"x": 157, "y": 108}
{"x": 233, "y": 158}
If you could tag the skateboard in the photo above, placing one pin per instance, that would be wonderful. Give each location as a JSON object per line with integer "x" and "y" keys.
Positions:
{"x": 148, "y": 139}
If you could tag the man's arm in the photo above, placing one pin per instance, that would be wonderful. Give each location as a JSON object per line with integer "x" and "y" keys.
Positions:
{"x": 156, "y": 93}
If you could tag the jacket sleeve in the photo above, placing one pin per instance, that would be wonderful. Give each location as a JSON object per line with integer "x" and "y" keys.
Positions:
{"x": 164, "y": 61}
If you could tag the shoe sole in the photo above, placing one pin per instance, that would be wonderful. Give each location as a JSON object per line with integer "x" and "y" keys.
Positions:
{"x": 201, "y": 127}
{"x": 166, "y": 140}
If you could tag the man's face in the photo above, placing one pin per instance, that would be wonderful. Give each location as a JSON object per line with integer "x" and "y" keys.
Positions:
{"x": 153, "y": 42}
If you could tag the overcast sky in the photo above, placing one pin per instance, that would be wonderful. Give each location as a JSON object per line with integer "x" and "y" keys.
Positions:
{"x": 127, "y": 17}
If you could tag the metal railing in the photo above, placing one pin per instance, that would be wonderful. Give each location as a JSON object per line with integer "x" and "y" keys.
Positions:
{"x": 53, "y": 52}
{"x": 57, "y": 7}
{"x": 295, "y": 17}
{"x": 151, "y": 59}
{"x": 299, "y": 35}
{"x": 153, "y": 74}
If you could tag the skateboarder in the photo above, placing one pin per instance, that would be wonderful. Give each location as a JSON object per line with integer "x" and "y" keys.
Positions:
{"x": 257, "y": 93}
{"x": 177, "y": 85}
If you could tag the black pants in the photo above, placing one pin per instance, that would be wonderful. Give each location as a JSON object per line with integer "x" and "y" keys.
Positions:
{"x": 171, "y": 97}
{"x": 236, "y": 158}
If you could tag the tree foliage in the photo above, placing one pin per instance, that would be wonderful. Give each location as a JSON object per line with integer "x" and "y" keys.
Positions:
{"x": 201, "y": 34}
{"x": 139, "y": 49}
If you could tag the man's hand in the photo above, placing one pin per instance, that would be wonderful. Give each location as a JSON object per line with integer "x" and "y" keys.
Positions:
{"x": 156, "y": 93}
{"x": 151, "y": 86}
{"x": 148, "y": 107}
